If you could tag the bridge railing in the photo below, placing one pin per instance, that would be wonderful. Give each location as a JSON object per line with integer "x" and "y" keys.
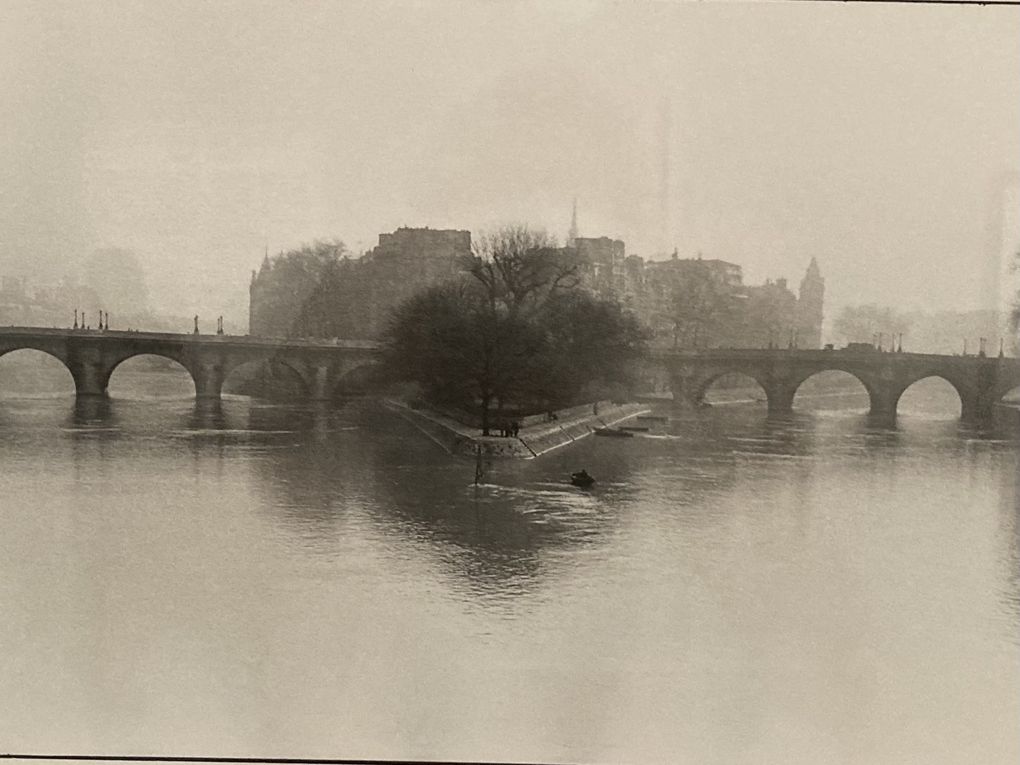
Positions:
{"x": 276, "y": 342}
{"x": 814, "y": 353}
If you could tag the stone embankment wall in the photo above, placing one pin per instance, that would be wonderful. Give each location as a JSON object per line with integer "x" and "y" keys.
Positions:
{"x": 533, "y": 440}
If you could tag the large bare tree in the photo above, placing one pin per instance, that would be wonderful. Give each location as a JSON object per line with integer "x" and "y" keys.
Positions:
{"x": 518, "y": 266}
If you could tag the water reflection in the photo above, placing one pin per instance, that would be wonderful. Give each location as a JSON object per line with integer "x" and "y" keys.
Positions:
{"x": 1009, "y": 561}
{"x": 735, "y": 588}
{"x": 364, "y": 461}
{"x": 90, "y": 411}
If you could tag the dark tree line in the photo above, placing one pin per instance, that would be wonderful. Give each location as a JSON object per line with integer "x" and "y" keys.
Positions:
{"x": 295, "y": 291}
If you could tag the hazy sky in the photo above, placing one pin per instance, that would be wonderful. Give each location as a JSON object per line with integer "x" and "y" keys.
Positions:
{"x": 876, "y": 138}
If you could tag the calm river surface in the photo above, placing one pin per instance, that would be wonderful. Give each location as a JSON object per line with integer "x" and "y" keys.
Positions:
{"x": 273, "y": 581}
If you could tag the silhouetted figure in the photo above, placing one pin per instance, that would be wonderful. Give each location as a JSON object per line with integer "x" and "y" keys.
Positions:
{"x": 582, "y": 479}
{"x": 515, "y": 428}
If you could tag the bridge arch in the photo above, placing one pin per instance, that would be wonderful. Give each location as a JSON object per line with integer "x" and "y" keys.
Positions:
{"x": 261, "y": 377}
{"x": 1008, "y": 392}
{"x": 31, "y": 347}
{"x": 718, "y": 382}
{"x": 41, "y": 372}
{"x": 840, "y": 382}
{"x": 357, "y": 380}
{"x": 964, "y": 396}
{"x": 175, "y": 385}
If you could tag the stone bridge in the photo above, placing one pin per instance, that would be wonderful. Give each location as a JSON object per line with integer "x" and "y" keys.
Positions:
{"x": 980, "y": 381}
{"x": 91, "y": 356}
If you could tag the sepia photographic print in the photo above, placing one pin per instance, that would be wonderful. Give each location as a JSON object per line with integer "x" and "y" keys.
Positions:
{"x": 477, "y": 381}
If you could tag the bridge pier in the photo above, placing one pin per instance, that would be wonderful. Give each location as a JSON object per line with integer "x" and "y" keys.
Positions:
{"x": 883, "y": 400}
{"x": 688, "y": 391}
{"x": 780, "y": 398}
{"x": 87, "y": 385}
{"x": 320, "y": 383}
{"x": 977, "y": 409}
{"x": 988, "y": 386}
{"x": 90, "y": 375}
{"x": 208, "y": 378}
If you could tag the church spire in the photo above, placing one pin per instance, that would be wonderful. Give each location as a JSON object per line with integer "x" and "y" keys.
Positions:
{"x": 573, "y": 234}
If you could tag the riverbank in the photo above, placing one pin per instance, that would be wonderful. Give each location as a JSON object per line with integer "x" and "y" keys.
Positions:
{"x": 533, "y": 440}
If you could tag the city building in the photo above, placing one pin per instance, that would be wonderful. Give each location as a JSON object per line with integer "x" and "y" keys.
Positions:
{"x": 685, "y": 302}
{"x": 360, "y": 292}
{"x": 405, "y": 262}
{"x": 703, "y": 301}
{"x": 602, "y": 263}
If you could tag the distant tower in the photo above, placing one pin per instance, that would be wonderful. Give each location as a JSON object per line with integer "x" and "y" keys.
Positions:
{"x": 573, "y": 233}
{"x": 810, "y": 304}
{"x": 254, "y": 288}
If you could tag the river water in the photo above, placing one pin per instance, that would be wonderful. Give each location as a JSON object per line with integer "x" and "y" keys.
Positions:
{"x": 257, "y": 580}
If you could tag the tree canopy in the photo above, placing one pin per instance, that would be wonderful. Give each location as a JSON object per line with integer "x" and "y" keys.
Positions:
{"x": 518, "y": 266}
{"x": 703, "y": 308}
{"x": 515, "y": 332}
{"x": 293, "y": 295}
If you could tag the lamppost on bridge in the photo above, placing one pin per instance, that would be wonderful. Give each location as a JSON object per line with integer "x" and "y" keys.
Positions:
{"x": 899, "y": 346}
{"x": 76, "y": 318}
{"x": 196, "y": 324}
